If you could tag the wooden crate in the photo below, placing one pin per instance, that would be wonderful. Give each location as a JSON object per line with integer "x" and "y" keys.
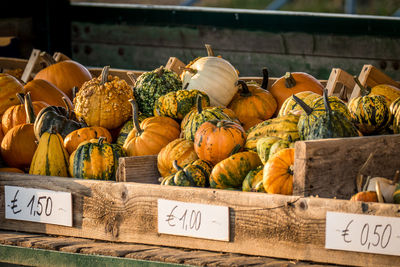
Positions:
{"x": 291, "y": 227}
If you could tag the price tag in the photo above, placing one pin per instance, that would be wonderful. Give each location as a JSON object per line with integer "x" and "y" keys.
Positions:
{"x": 38, "y": 205}
{"x": 194, "y": 220}
{"x": 363, "y": 233}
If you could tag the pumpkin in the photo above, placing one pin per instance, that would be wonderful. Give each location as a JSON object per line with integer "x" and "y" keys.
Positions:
{"x": 331, "y": 124}
{"x": 370, "y": 113}
{"x": 74, "y": 138}
{"x": 19, "y": 143}
{"x": 194, "y": 174}
{"x": 9, "y": 87}
{"x": 366, "y": 196}
{"x": 103, "y": 101}
{"x": 50, "y": 158}
{"x": 279, "y": 145}
{"x": 150, "y": 86}
{"x": 177, "y": 104}
{"x": 264, "y": 145}
{"x": 64, "y": 75}
{"x": 230, "y": 172}
{"x": 253, "y": 182}
{"x": 389, "y": 92}
{"x": 151, "y": 135}
{"x": 291, "y": 105}
{"x": 197, "y": 116}
{"x": 6, "y": 169}
{"x": 95, "y": 159}
{"x": 252, "y": 101}
{"x": 16, "y": 114}
{"x": 317, "y": 108}
{"x": 292, "y": 83}
{"x": 278, "y": 173}
{"x": 396, "y": 194}
{"x": 216, "y": 140}
{"x": 42, "y": 90}
{"x": 181, "y": 150}
{"x": 281, "y": 127}
{"x": 60, "y": 118}
{"x": 126, "y": 128}
{"x": 213, "y": 75}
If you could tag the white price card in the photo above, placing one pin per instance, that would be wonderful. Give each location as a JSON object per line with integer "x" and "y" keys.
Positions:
{"x": 363, "y": 233}
{"x": 38, "y": 205}
{"x": 194, "y": 220}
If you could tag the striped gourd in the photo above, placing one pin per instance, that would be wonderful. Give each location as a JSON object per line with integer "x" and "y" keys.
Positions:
{"x": 395, "y": 111}
{"x": 127, "y": 128}
{"x": 396, "y": 195}
{"x": 290, "y": 104}
{"x": 95, "y": 159}
{"x": 281, "y": 127}
{"x": 253, "y": 182}
{"x": 50, "y": 158}
{"x": 317, "y": 108}
{"x": 197, "y": 116}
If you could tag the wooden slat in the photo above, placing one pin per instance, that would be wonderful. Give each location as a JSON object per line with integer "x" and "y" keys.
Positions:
{"x": 328, "y": 167}
{"x": 140, "y": 169}
{"x": 371, "y": 76}
{"x": 30, "y": 65}
{"x": 175, "y": 64}
{"x": 340, "y": 80}
{"x": 280, "y": 226}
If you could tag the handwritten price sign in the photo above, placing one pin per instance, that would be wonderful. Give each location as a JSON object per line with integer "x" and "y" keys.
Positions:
{"x": 38, "y": 205}
{"x": 194, "y": 220}
{"x": 363, "y": 233}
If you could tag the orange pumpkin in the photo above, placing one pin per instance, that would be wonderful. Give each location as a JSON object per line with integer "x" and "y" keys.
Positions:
{"x": 1, "y": 134}
{"x": 216, "y": 140}
{"x": 253, "y": 101}
{"x": 151, "y": 135}
{"x": 42, "y": 90}
{"x": 181, "y": 150}
{"x": 19, "y": 143}
{"x": 16, "y": 114}
{"x": 64, "y": 75}
{"x": 6, "y": 169}
{"x": 9, "y": 87}
{"x": 292, "y": 83}
{"x": 74, "y": 138}
{"x": 366, "y": 196}
{"x": 278, "y": 173}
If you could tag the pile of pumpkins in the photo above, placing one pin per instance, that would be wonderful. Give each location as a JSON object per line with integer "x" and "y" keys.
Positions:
{"x": 207, "y": 127}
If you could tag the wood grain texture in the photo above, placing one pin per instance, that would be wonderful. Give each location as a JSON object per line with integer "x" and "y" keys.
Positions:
{"x": 280, "y": 226}
{"x": 140, "y": 169}
{"x": 175, "y": 65}
{"x": 340, "y": 80}
{"x": 371, "y": 76}
{"x": 328, "y": 167}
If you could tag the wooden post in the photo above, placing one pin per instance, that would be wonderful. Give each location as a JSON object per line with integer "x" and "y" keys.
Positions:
{"x": 338, "y": 81}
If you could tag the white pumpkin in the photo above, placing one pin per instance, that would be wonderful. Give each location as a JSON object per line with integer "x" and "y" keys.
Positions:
{"x": 213, "y": 75}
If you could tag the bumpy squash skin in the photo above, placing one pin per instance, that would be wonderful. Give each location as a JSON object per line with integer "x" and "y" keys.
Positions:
{"x": 278, "y": 173}
{"x": 370, "y": 114}
{"x": 50, "y": 158}
{"x": 253, "y": 180}
{"x": 152, "y": 85}
{"x": 177, "y": 104}
{"x": 281, "y": 127}
{"x": 181, "y": 150}
{"x": 231, "y": 172}
{"x": 95, "y": 159}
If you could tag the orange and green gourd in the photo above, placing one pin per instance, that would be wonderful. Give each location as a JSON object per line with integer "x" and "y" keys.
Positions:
{"x": 253, "y": 182}
{"x": 290, "y": 105}
{"x": 127, "y": 128}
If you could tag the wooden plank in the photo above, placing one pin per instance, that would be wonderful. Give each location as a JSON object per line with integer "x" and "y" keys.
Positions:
{"x": 328, "y": 167}
{"x": 280, "y": 226}
{"x": 31, "y": 64}
{"x": 340, "y": 83}
{"x": 371, "y": 76}
{"x": 175, "y": 65}
{"x": 140, "y": 169}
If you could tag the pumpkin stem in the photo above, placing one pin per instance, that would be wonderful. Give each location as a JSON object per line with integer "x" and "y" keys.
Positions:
{"x": 101, "y": 140}
{"x": 21, "y": 98}
{"x": 289, "y": 80}
{"x": 69, "y": 111}
{"x": 104, "y": 75}
{"x": 160, "y": 71}
{"x": 199, "y": 104}
{"x": 210, "y": 52}
{"x": 264, "y": 84}
{"x": 185, "y": 86}
{"x": 327, "y": 105}
{"x": 74, "y": 92}
{"x": 176, "y": 166}
{"x": 396, "y": 177}
{"x": 47, "y": 58}
{"x": 245, "y": 89}
{"x": 365, "y": 90}
{"x": 193, "y": 71}
{"x": 131, "y": 77}
{"x": 135, "y": 116}
{"x": 30, "y": 113}
{"x": 366, "y": 183}
{"x": 290, "y": 170}
{"x": 303, "y": 105}
{"x": 220, "y": 124}
{"x": 379, "y": 192}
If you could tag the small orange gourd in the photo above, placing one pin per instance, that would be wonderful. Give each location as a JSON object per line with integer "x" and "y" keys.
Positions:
{"x": 278, "y": 173}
